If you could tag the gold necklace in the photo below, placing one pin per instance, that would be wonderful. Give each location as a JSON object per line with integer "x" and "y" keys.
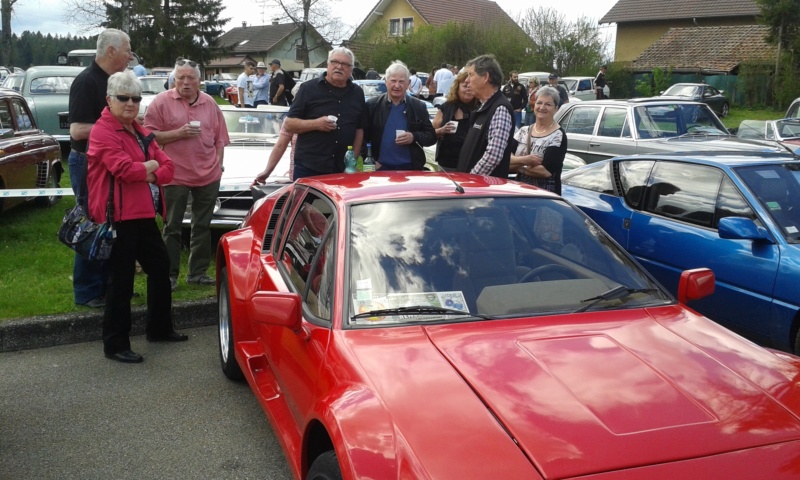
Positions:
{"x": 541, "y": 131}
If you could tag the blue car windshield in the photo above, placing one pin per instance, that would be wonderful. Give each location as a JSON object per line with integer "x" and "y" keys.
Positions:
{"x": 777, "y": 189}
{"x": 497, "y": 257}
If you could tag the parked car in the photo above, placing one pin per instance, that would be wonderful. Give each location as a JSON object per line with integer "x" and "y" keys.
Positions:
{"x": 253, "y": 133}
{"x": 232, "y": 94}
{"x": 700, "y": 92}
{"x": 581, "y": 88}
{"x": 305, "y": 75}
{"x": 525, "y": 77}
{"x": 152, "y": 85}
{"x": 736, "y": 214}
{"x": 601, "y": 129}
{"x": 420, "y": 325}
{"x": 785, "y": 131}
{"x": 46, "y": 89}
{"x": 218, "y": 84}
{"x": 794, "y": 109}
{"x": 372, "y": 88}
{"x": 14, "y": 81}
{"x": 29, "y": 158}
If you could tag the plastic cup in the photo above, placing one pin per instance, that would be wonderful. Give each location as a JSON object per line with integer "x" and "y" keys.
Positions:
{"x": 397, "y": 133}
{"x": 453, "y": 125}
{"x": 333, "y": 118}
{"x": 195, "y": 123}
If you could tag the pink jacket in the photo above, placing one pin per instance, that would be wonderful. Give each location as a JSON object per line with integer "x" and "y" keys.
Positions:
{"x": 114, "y": 150}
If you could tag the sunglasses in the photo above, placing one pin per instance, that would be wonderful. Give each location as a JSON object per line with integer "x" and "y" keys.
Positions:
{"x": 125, "y": 98}
{"x": 181, "y": 63}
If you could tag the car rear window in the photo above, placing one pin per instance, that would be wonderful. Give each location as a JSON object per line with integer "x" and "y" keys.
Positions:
{"x": 51, "y": 85}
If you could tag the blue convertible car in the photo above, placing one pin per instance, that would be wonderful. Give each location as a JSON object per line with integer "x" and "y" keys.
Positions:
{"x": 736, "y": 214}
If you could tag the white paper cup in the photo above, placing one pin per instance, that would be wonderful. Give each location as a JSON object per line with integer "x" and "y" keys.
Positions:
{"x": 333, "y": 118}
{"x": 195, "y": 123}
{"x": 397, "y": 133}
{"x": 453, "y": 124}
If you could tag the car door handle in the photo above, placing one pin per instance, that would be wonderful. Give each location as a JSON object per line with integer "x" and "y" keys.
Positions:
{"x": 594, "y": 144}
{"x": 626, "y": 223}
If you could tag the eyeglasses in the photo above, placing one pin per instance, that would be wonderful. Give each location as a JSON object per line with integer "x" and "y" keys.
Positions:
{"x": 125, "y": 98}
{"x": 337, "y": 63}
{"x": 542, "y": 104}
{"x": 183, "y": 62}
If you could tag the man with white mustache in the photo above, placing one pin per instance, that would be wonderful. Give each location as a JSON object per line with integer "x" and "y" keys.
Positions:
{"x": 328, "y": 115}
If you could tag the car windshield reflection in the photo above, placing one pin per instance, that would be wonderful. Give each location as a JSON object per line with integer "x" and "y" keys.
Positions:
{"x": 777, "y": 188}
{"x": 254, "y": 124}
{"x": 496, "y": 257}
{"x": 674, "y": 120}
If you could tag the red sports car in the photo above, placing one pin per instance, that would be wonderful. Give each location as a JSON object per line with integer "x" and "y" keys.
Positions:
{"x": 426, "y": 326}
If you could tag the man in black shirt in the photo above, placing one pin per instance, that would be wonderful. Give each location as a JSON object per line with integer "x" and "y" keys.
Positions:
{"x": 600, "y": 83}
{"x": 277, "y": 84}
{"x": 517, "y": 94}
{"x": 562, "y": 92}
{"x": 87, "y": 99}
{"x": 321, "y": 140}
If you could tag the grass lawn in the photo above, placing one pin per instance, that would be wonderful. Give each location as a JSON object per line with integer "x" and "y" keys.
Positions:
{"x": 36, "y": 269}
{"x": 737, "y": 114}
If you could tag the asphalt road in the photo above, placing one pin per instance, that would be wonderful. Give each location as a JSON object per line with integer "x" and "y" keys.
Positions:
{"x": 67, "y": 412}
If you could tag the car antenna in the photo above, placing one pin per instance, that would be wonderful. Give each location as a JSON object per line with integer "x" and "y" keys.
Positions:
{"x": 459, "y": 188}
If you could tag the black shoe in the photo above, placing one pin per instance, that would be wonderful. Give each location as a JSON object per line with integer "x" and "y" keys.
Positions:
{"x": 97, "y": 302}
{"x": 169, "y": 337}
{"x": 125, "y": 356}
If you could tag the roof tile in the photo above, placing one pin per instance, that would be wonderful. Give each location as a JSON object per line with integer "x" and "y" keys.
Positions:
{"x": 707, "y": 49}
{"x": 651, "y": 10}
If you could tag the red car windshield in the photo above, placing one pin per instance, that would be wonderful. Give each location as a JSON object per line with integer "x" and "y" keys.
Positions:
{"x": 499, "y": 257}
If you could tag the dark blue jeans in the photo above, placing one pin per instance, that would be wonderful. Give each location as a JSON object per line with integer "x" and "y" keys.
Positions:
{"x": 89, "y": 279}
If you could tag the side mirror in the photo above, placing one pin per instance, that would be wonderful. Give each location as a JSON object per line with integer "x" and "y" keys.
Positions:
{"x": 277, "y": 308}
{"x": 741, "y": 228}
{"x": 61, "y": 59}
{"x": 695, "y": 284}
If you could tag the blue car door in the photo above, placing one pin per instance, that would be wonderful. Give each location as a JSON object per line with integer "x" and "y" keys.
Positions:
{"x": 676, "y": 231}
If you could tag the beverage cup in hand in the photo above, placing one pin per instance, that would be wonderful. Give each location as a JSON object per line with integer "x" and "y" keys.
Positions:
{"x": 333, "y": 118}
{"x": 398, "y": 133}
{"x": 452, "y": 126}
{"x": 195, "y": 123}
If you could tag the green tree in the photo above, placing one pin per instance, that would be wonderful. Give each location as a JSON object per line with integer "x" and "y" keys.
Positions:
{"x": 455, "y": 43}
{"x": 783, "y": 19}
{"x": 187, "y": 28}
{"x": 574, "y": 48}
{"x": 159, "y": 29}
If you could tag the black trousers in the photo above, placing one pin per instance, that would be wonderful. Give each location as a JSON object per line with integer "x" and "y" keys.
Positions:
{"x": 136, "y": 240}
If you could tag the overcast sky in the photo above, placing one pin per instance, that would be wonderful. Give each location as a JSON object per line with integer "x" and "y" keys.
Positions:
{"x": 47, "y": 16}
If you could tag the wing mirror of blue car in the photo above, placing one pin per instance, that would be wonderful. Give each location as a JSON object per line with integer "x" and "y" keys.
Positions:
{"x": 741, "y": 228}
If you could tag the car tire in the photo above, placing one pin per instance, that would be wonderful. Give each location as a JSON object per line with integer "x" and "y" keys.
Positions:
{"x": 325, "y": 467}
{"x": 227, "y": 357}
{"x": 221, "y": 92}
{"x": 725, "y": 110}
{"x": 50, "y": 200}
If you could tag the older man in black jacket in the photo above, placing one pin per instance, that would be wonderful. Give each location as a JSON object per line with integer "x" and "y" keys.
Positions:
{"x": 399, "y": 125}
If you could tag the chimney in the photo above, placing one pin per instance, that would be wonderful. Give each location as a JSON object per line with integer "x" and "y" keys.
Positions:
{"x": 275, "y": 21}
{"x": 244, "y": 24}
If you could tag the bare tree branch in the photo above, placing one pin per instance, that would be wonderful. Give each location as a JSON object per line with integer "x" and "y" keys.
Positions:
{"x": 86, "y": 15}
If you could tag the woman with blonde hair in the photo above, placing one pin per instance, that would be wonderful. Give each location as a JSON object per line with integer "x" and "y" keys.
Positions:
{"x": 457, "y": 108}
{"x": 533, "y": 87}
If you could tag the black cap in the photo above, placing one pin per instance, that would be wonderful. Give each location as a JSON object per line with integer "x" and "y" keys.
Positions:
{"x": 276, "y": 62}
{"x": 553, "y": 75}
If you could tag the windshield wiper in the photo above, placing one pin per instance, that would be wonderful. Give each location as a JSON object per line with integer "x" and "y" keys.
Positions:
{"x": 616, "y": 293}
{"x": 418, "y": 310}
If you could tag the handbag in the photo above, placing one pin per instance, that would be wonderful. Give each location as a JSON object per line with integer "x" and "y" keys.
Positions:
{"x": 91, "y": 240}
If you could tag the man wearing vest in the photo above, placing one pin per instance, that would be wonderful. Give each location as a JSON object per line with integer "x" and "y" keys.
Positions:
{"x": 488, "y": 146}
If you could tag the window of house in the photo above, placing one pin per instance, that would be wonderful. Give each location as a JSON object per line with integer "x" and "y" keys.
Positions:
{"x": 394, "y": 27}
{"x": 408, "y": 25}
{"x": 400, "y": 26}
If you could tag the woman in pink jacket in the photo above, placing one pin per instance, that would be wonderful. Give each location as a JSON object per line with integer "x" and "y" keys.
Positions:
{"x": 121, "y": 149}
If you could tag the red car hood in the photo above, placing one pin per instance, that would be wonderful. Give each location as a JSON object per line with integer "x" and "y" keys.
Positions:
{"x": 587, "y": 393}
